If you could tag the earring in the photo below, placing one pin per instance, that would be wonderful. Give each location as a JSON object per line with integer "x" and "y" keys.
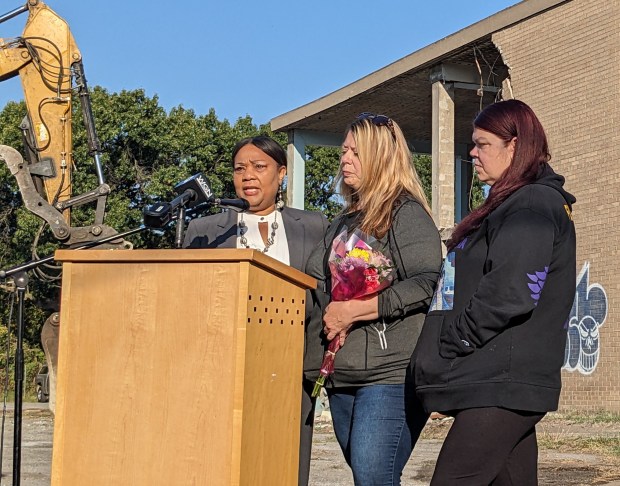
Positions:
{"x": 279, "y": 199}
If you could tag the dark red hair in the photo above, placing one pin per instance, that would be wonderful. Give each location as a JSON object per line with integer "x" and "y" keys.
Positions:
{"x": 508, "y": 119}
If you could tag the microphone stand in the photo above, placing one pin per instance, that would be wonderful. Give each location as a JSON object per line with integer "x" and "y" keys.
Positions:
{"x": 178, "y": 240}
{"x": 236, "y": 205}
{"x": 21, "y": 282}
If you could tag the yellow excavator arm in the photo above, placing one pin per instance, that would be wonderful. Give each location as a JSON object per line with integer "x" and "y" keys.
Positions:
{"x": 49, "y": 64}
{"x": 43, "y": 57}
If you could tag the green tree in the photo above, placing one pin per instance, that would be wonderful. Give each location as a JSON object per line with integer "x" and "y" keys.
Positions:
{"x": 321, "y": 169}
{"x": 423, "y": 166}
{"x": 10, "y": 200}
{"x": 33, "y": 360}
{"x": 145, "y": 152}
{"x": 476, "y": 194}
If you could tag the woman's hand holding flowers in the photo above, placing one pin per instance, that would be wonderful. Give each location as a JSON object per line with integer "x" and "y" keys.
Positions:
{"x": 340, "y": 316}
{"x": 338, "y": 320}
{"x": 358, "y": 274}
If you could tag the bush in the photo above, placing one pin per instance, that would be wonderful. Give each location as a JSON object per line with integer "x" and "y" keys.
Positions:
{"x": 34, "y": 358}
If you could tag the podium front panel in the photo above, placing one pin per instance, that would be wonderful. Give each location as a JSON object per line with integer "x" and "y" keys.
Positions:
{"x": 177, "y": 373}
{"x": 272, "y": 386}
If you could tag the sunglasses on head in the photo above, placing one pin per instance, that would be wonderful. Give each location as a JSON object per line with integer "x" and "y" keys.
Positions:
{"x": 378, "y": 120}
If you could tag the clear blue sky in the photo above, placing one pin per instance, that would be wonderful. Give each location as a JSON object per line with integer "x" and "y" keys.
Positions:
{"x": 261, "y": 58}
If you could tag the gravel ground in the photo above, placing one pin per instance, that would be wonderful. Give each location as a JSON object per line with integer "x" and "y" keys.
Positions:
{"x": 565, "y": 468}
{"x": 569, "y": 467}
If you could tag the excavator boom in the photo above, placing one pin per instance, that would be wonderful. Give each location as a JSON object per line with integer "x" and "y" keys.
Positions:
{"x": 43, "y": 57}
{"x": 49, "y": 65}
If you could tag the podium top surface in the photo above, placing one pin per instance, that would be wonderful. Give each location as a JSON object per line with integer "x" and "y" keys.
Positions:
{"x": 194, "y": 255}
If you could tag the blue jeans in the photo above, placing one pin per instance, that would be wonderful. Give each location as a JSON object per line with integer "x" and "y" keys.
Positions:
{"x": 376, "y": 427}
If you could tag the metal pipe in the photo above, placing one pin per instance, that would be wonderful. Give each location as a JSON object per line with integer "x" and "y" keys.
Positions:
{"x": 35, "y": 263}
{"x": 99, "y": 168}
{"x": 94, "y": 147}
{"x": 14, "y": 13}
{"x": 21, "y": 282}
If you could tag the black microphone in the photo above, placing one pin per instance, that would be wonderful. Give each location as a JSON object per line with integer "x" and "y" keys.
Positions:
{"x": 234, "y": 204}
{"x": 192, "y": 191}
{"x": 199, "y": 184}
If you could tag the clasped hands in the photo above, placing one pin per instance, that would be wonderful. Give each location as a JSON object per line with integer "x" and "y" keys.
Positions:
{"x": 338, "y": 320}
{"x": 339, "y": 317}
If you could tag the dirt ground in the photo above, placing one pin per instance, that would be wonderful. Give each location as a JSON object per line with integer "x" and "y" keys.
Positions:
{"x": 570, "y": 465}
{"x": 567, "y": 464}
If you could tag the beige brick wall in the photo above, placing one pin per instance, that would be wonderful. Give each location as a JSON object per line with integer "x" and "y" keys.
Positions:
{"x": 565, "y": 63}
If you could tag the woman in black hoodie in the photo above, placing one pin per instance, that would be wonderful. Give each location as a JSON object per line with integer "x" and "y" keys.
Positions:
{"x": 492, "y": 344}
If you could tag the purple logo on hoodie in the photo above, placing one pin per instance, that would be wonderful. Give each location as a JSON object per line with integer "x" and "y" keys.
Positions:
{"x": 462, "y": 244}
{"x": 537, "y": 280}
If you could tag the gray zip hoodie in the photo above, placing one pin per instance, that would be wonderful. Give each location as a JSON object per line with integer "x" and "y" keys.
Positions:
{"x": 378, "y": 352}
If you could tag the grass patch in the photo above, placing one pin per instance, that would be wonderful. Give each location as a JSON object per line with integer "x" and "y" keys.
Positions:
{"x": 29, "y": 395}
{"x": 597, "y": 417}
{"x": 608, "y": 446}
{"x": 607, "y": 449}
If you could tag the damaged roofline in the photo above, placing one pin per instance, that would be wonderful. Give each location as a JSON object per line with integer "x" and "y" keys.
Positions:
{"x": 419, "y": 59}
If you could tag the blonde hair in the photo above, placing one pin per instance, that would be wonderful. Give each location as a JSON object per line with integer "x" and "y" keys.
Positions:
{"x": 387, "y": 174}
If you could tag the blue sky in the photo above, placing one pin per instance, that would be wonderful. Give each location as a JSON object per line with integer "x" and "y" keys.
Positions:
{"x": 261, "y": 58}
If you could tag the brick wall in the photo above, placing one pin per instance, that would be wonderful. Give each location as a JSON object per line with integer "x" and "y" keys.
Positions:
{"x": 565, "y": 63}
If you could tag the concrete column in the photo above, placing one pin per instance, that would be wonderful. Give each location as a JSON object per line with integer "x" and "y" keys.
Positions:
{"x": 298, "y": 140}
{"x": 443, "y": 154}
{"x": 296, "y": 170}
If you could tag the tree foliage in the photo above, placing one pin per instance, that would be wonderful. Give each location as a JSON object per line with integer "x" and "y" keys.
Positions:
{"x": 423, "y": 166}
{"x": 321, "y": 169}
{"x": 146, "y": 151}
{"x": 33, "y": 360}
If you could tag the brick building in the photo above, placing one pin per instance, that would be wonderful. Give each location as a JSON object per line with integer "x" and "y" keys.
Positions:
{"x": 562, "y": 57}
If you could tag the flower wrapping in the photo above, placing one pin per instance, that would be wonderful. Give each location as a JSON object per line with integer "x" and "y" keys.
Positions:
{"x": 356, "y": 271}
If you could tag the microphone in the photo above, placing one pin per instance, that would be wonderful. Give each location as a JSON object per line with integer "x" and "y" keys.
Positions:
{"x": 201, "y": 188}
{"x": 234, "y": 204}
{"x": 192, "y": 191}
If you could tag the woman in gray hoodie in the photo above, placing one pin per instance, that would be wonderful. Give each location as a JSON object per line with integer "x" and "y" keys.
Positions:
{"x": 375, "y": 419}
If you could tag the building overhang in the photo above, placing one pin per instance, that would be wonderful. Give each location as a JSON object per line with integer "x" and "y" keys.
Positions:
{"x": 402, "y": 90}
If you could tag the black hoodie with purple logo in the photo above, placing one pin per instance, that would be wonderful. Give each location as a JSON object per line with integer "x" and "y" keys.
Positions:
{"x": 495, "y": 334}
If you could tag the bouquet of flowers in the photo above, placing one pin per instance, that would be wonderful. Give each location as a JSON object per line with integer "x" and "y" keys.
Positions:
{"x": 356, "y": 271}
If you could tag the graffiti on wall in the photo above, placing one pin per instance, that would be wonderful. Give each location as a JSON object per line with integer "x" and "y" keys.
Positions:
{"x": 586, "y": 317}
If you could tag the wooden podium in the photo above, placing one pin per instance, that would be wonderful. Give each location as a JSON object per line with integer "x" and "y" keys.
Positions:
{"x": 178, "y": 367}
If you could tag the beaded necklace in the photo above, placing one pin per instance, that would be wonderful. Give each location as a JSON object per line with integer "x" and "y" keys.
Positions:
{"x": 270, "y": 240}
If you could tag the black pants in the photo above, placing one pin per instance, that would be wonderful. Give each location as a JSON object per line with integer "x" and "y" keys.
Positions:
{"x": 305, "y": 439}
{"x": 489, "y": 446}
